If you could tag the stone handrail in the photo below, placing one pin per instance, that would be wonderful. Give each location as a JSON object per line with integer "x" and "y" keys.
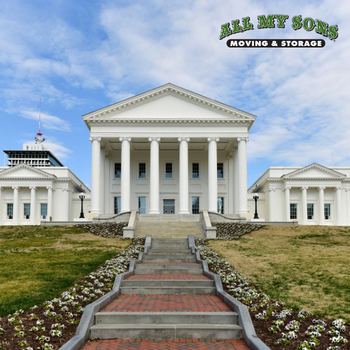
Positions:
{"x": 129, "y": 231}
{"x": 210, "y": 231}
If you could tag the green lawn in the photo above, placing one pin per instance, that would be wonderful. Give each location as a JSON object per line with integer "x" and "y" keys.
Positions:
{"x": 305, "y": 266}
{"x": 37, "y": 263}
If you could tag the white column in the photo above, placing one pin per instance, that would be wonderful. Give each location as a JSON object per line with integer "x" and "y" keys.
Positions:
{"x": 287, "y": 202}
{"x": 49, "y": 203}
{"x": 95, "y": 174}
{"x": 32, "y": 205}
{"x": 271, "y": 206}
{"x": 338, "y": 195}
{"x": 235, "y": 181}
{"x": 242, "y": 174}
{"x": 1, "y": 206}
{"x": 229, "y": 201}
{"x": 348, "y": 205}
{"x": 107, "y": 184}
{"x": 304, "y": 203}
{"x": 102, "y": 181}
{"x": 154, "y": 176}
{"x": 15, "y": 205}
{"x": 321, "y": 204}
{"x": 212, "y": 174}
{"x": 125, "y": 176}
{"x": 183, "y": 176}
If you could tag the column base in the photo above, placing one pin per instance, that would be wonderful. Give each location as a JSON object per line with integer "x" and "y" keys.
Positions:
{"x": 186, "y": 212}
{"x": 154, "y": 212}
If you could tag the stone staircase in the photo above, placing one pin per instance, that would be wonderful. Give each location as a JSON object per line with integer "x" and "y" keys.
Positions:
{"x": 168, "y": 298}
{"x": 171, "y": 229}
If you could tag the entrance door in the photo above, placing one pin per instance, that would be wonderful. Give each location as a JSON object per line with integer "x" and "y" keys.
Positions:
{"x": 169, "y": 206}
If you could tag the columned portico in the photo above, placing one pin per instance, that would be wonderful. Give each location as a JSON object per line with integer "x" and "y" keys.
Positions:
{"x": 287, "y": 202}
{"x": 15, "y": 205}
{"x": 242, "y": 174}
{"x": 95, "y": 174}
{"x": 154, "y": 177}
{"x": 125, "y": 175}
{"x": 32, "y": 205}
{"x": 183, "y": 175}
{"x": 212, "y": 174}
{"x": 102, "y": 178}
{"x": 304, "y": 203}
{"x": 321, "y": 204}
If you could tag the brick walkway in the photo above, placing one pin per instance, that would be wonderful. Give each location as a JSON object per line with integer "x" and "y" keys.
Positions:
{"x": 164, "y": 302}
{"x": 152, "y": 277}
{"x": 176, "y": 344}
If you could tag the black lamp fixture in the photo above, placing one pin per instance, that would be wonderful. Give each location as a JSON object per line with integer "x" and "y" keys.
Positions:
{"x": 256, "y": 197}
{"x": 82, "y": 206}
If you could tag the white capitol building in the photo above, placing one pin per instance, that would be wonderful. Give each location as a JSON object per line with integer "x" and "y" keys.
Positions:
{"x": 169, "y": 151}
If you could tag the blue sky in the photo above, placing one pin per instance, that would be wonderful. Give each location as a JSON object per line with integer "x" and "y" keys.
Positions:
{"x": 83, "y": 55}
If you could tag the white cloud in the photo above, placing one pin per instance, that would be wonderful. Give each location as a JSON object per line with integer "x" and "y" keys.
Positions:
{"x": 48, "y": 121}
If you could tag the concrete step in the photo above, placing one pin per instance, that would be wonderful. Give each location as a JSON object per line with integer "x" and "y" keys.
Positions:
{"x": 167, "y": 283}
{"x": 161, "y": 251}
{"x": 169, "y": 229}
{"x": 180, "y": 258}
{"x": 173, "y": 266}
{"x": 168, "y": 290}
{"x": 166, "y": 318}
{"x": 166, "y": 331}
{"x": 170, "y": 270}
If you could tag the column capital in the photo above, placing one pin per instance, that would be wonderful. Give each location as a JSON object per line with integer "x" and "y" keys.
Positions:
{"x": 33, "y": 188}
{"x": 216, "y": 139}
{"x": 187, "y": 139}
{"x": 288, "y": 188}
{"x": 15, "y": 187}
{"x": 150, "y": 139}
{"x": 321, "y": 188}
{"x": 121, "y": 139}
{"x": 95, "y": 138}
{"x": 239, "y": 139}
{"x": 65, "y": 190}
{"x": 49, "y": 187}
{"x": 338, "y": 187}
{"x": 346, "y": 189}
{"x": 271, "y": 190}
{"x": 304, "y": 187}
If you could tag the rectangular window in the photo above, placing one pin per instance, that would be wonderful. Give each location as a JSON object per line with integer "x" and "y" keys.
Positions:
{"x": 117, "y": 205}
{"x": 169, "y": 170}
{"x": 220, "y": 169}
{"x": 10, "y": 210}
{"x": 195, "y": 205}
{"x": 310, "y": 211}
{"x": 195, "y": 170}
{"x": 43, "y": 210}
{"x": 142, "y": 205}
{"x": 327, "y": 211}
{"x": 26, "y": 210}
{"x": 118, "y": 170}
{"x": 221, "y": 205}
{"x": 293, "y": 212}
{"x": 142, "y": 170}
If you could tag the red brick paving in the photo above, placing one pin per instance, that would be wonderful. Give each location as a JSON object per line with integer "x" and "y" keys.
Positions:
{"x": 169, "y": 303}
{"x": 171, "y": 344}
{"x": 184, "y": 276}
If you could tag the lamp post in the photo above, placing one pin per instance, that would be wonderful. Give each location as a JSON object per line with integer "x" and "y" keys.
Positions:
{"x": 256, "y": 197}
{"x": 82, "y": 206}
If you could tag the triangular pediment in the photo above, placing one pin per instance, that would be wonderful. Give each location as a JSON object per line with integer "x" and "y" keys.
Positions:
{"x": 314, "y": 171}
{"x": 23, "y": 171}
{"x": 169, "y": 102}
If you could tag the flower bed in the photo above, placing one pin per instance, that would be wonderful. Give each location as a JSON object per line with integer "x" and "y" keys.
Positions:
{"x": 107, "y": 230}
{"x": 230, "y": 230}
{"x": 278, "y": 326}
{"x": 53, "y": 323}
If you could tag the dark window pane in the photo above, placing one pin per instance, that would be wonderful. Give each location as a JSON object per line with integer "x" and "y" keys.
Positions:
{"x": 142, "y": 170}
{"x": 118, "y": 170}
{"x": 220, "y": 170}
{"x": 195, "y": 170}
{"x": 168, "y": 170}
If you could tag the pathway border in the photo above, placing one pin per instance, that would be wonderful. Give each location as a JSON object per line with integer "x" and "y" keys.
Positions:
{"x": 87, "y": 320}
{"x": 244, "y": 319}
